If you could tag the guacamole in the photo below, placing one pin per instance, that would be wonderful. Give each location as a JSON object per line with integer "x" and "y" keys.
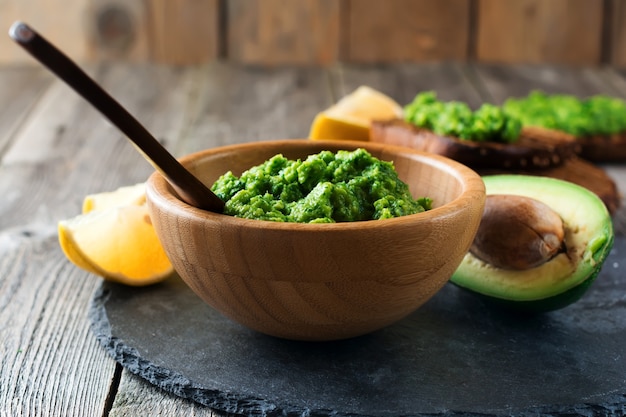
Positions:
{"x": 454, "y": 118}
{"x": 594, "y": 115}
{"x": 324, "y": 188}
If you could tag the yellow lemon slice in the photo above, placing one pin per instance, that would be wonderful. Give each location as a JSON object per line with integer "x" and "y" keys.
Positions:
{"x": 119, "y": 244}
{"x": 114, "y": 238}
{"x": 350, "y": 117}
{"x": 123, "y": 196}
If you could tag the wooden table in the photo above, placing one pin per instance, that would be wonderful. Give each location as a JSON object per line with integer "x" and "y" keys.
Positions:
{"x": 55, "y": 149}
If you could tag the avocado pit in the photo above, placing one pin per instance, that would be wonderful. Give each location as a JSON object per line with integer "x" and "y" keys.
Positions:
{"x": 518, "y": 233}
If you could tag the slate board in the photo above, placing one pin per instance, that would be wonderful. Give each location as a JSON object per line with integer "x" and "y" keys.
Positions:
{"x": 455, "y": 356}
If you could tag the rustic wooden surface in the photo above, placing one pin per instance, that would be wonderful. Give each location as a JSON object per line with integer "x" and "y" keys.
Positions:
{"x": 326, "y": 32}
{"x": 566, "y": 31}
{"x": 278, "y": 32}
{"x": 183, "y": 32}
{"x": 55, "y": 150}
{"x": 402, "y": 30}
{"x": 616, "y": 33}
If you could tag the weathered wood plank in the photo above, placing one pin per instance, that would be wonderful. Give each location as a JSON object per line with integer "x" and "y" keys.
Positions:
{"x": 403, "y": 81}
{"x": 61, "y": 23}
{"x": 275, "y": 32}
{"x": 502, "y": 82}
{"x": 116, "y": 30}
{"x": 615, "y": 77}
{"x": 79, "y": 152}
{"x": 50, "y": 362}
{"x": 322, "y": 32}
{"x": 617, "y": 34}
{"x": 136, "y": 397}
{"x": 184, "y": 31}
{"x": 21, "y": 88}
{"x": 540, "y": 31}
{"x": 65, "y": 149}
{"x": 173, "y": 32}
{"x": 407, "y": 30}
{"x": 235, "y": 104}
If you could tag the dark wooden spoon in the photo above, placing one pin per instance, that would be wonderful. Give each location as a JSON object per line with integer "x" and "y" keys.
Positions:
{"x": 189, "y": 187}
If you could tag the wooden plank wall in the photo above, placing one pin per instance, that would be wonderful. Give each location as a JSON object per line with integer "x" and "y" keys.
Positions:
{"x": 326, "y": 32}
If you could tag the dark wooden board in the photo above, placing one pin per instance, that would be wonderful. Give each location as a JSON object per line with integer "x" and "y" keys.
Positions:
{"x": 456, "y": 355}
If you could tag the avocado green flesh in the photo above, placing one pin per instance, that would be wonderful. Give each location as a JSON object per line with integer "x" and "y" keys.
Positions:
{"x": 563, "y": 279}
{"x": 546, "y": 304}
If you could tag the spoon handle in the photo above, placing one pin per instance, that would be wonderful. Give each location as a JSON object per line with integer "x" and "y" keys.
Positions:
{"x": 188, "y": 186}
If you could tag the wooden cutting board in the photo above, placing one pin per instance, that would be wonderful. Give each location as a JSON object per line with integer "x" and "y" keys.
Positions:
{"x": 454, "y": 356}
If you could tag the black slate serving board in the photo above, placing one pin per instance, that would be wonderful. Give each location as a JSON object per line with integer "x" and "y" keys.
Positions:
{"x": 455, "y": 356}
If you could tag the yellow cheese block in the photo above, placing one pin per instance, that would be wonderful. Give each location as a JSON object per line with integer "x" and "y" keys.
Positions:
{"x": 350, "y": 117}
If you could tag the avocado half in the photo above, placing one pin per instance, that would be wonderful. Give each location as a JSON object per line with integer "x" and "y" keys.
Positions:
{"x": 563, "y": 279}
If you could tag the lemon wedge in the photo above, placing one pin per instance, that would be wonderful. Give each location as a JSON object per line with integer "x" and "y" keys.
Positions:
{"x": 115, "y": 239}
{"x": 123, "y": 196}
{"x": 350, "y": 117}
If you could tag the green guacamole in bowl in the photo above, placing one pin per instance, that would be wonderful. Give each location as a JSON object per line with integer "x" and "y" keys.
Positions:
{"x": 325, "y": 187}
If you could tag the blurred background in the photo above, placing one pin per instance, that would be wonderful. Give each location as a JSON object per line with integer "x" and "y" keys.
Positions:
{"x": 325, "y": 32}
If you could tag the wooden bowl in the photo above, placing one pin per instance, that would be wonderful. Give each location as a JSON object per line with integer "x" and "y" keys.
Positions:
{"x": 319, "y": 281}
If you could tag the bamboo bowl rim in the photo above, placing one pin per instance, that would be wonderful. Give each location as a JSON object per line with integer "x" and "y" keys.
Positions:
{"x": 159, "y": 188}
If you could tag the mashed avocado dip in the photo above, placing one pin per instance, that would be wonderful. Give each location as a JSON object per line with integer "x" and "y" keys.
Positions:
{"x": 325, "y": 188}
